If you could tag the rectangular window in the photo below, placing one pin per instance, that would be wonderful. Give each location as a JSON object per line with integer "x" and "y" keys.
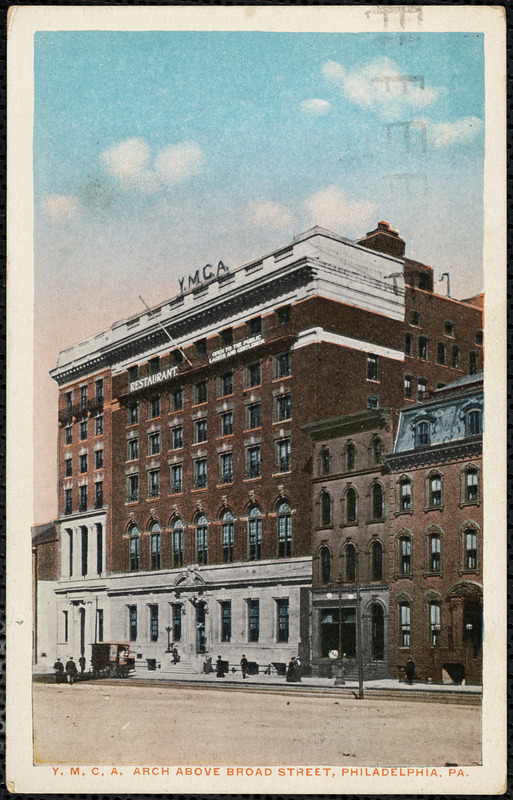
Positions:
{"x": 227, "y": 540}
{"x": 177, "y": 357}
{"x": 372, "y": 367}
{"x": 284, "y": 407}
{"x": 200, "y": 473}
{"x": 404, "y": 625}
{"x": 154, "y": 443}
{"x": 98, "y": 425}
{"x": 405, "y": 556}
{"x": 253, "y": 462}
{"x": 405, "y": 495}
{"x": 479, "y": 339}
{"x": 153, "y": 483}
{"x": 132, "y": 617}
{"x": 408, "y": 344}
{"x": 134, "y": 553}
{"x": 414, "y": 318}
{"x": 99, "y": 548}
{"x": 133, "y": 373}
{"x": 154, "y": 623}
{"x": 98, "y": 391}
{"x": 255, "y": 326}
{"x": 82, "y": 428}
{"x": 407, "y": 386}
{"x": 99, "y": 624}
{"x": 83, "y": 498}
{"x": 132, "y": 446}
{"x": 226, "y": 621}
{"x": 177, "y": 622}
{"x": 448, "y": 328}
{"x": 83, "y": 398}
{"x": 226, "y": 384}
{"x": 421, "y": 388}
{"x": 177, "y": 437}
{"x": 372, "y": 402}
{"x": 200, "y": 392}
{"x": 283, "y": 365}
{"x": 177, "y": 399}
{"x": 282, "y": 620}
{"x": 132, "y": 488}
{"x": 455, "y": 356}
{"x": 227, "y": 423}
{"x": 200, "y": 347}
{"x": 154, "y": 407}
{"x": 253, "y": 415}
{"x": 66, "y": 626}
{"x": 423, "y": 347}
{"x": 154, "y": 365}
{"x": 200, "y": 430}
{"x": 68, "y": 434}
{"x": 283, "y": 455}
{"x": 155, "y": 551}
{"x": 254, "y": 620}
{"x": 69, "y": 403}
{"x": 68, "y": 467}
{"x": 226, "y": 468}
{"x": 70, "y": 551}
{"x": 177, "y": 545}
{"x": 98, "y": 459}
{"x": 67, "y": 501}
{"x": 472, "y": 362}
{"x": 435, "y": 556}
{"x": 133, "y": 413}
{"x": 471, "y": 486}
{"x": 440, "y": 353}
{"x": 283, "y": 315}
{"x": 255, "y": 536}
{"x": 82, "y": 462}
{"x": 434, "y": 624}
{"x": 226, "y": 337}
{"x": 254, "y": 374}
{"x": 84, "y": 541}
{"x": 98, "y": 494}
{"x": 284, "y": 535}
{"x": 176, "y": 478}
{"x": 202, "y": 544}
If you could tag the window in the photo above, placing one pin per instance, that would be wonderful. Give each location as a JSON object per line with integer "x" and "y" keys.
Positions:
{"x": 423, "y": 347}
{"x": 325, "y": 509}
{"x": 177, "y": 399}
{"x": 479, "y": 337}
{"x": 474, "y": 420}
{"x": 377, "y": 451}
{"x": 82, "y": 429}
{"x": 98, "y": 425}
{"x": 405, "y": 494}
{"x": 282, "y": 613}
{"x": 351, "y": 506}
{"x": 404, "y": 625}
{"x": 227, "y": 423}
{"x": 226, "y": 337}
{"x": 132, "y": 488}
{"x": 284, "y": 531}
{"x": 283, "y": 315}
{"x": 98, "y": 459}
{"x": 99, "y": 548}
{"x": 154, "y": 443}
{"x": 424, "y": 281}
{"x": 435, "y": 553}
{"x": 68, "y": 467}
{"x": 470, "y": 551}
{"x": 200, "y": 346}
{"x": 133, "y": 373}
{"x": 372, "y": 402}
{"x": 200, "y": 430}
{"x": 200, "y": 392}
{"x": 405, "y": 555}
{"x": 449, "y": 328}
{"x": 255, "y": 534}
{"x": 377, "y": 501}
{"x": 83, "y": 398}
{"x": 83, "y": 498}
{"x": 132, "y": 447}
{"x": 407, "y": 386}
{"x": 133, "y": 413}
{"x": 254, "y": 620}
{"x": 134, "y": 548}
{"x": 68, "y": 434}
{"x": 435, "y": 490}
{"x": 253, "y": 415}
{"x": 472, "y": 362}
{"x": 350, "y": 563}
{"x": 440, "y": 385}
{"x": 227, "y": 537}
{"x": 84, "y": 541}
{"x": 226, "y": 621}
{"x": 98, "y": 391}
{"x": 153, "y": 483}
{"x": 283, "y": 455}
{"x": 254, "y": 374}
{"x": 372, "y": 368}
{"x": 177, "y": 543}
{"x": 434, "y": 624}
{"x": 99, "y": 617}
{"x": 255, "y": 326}
{"x": 177, "y": 622}
{"x": 325, "y": 565}
{"x": 65, "y": 626}
{"x": 202, "y": 539}
{"x": 154, "y": 407}
{"x": 284, "y": 407}
{"x": 177, "y": 437}
{"x": 408, "y": 344}
{"x": 253, "y": 462}
{"x": 67, "y": 501}
{"x": 377, "y": 561}
{"x": 69, "y": 403}
{"x": 414, "y": 318}
{"x": 98, "y": 494}
{"x": 455, "y": 356}
{"x": 176, "y": 478}
{"x": 325, "y": 461}
{"x": 70, "y": 551}
{"x": 283, "y": 365}
{"x": 350, "y": 457}
{"x": 422, "y": 437}
{"x": 177, "y": 357}
{"x": 132, "y": 621}
{"x": 154, "y": 365}
{"x": 471, "y": 494}
{"x": 200, "y": 473}
{"x": 226, "y": 468}
{"x": 155, "y": 546}
{"x": 226, "y": 384}
{"x": 154, "y": 623}
{"x": 440, "y": 353}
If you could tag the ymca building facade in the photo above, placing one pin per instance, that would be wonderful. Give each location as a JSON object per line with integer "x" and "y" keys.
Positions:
{"x": 185, "y": 512}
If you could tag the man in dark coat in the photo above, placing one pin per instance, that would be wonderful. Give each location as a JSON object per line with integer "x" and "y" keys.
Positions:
{"x": 82, "y": 663}
{"x": 71, "y": 669}
{"x": 291, "y": 670}
{"x": 219, "y": 667}
{"x": 59, "y": 671}
{"x": 244, "y": 665}
{"x": 409, "y": 670}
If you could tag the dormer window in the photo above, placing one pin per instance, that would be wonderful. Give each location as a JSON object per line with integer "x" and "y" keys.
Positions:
{"x": 474, "y": 422}
{"x": 422, "y": 434}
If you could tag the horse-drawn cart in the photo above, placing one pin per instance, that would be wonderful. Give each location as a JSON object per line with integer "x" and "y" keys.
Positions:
{"x": 112, "y": 660}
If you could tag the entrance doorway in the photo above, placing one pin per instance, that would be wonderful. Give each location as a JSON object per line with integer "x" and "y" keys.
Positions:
{"x": 338, "y": 632}
{"x": 200, "y": 628}
{"x": 473, "y": 625}
{"x": 378, "y": 633}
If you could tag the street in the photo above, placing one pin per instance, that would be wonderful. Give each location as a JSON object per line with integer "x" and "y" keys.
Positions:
{"x": 125, "y": 723}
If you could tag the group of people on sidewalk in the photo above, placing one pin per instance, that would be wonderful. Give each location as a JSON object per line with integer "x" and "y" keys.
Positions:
{"x": 68, "y": 673}
{"x": 293, "y": 673}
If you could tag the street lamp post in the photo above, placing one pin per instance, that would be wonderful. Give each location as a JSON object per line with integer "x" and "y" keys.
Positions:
{"x": 359, "y": 642}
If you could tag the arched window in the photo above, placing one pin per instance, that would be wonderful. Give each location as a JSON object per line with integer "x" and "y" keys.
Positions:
{"x": 325, "y": 565}
{"x": 350, "y": 563}
{"x": 405, "y": 555}
{"x": 470, "y": 548}
{"x": 202, "y": 539}
{"x": 434, "y": 490}
{"x": 377, "y": 451}
{"x": 474, "y": 422}
{"x": 325, "y": 461}
{"x": 155, "y": 546}
{"x": 434, "y": 624}
{"x": 471, "y": 485}
{"x": 377, "y": 561}
{"x": 377, "y": 501}
{"x": 350, "y": 456}
{"x": 177, "y": 543}
{"x": 378, "y": 633}
{"x": 422, "y": 434}
{"x": 227, "y": 534}
{"x": 255, "y": 534}
{"x": 405, "y": 494}
{"x": 134, "y": 547}
{"x": 325, "y": 509}
{"x": 435, "y": 552}
{"x": 284, "y": 530}
{"x": 404, "y": 624}
{"x": 350, "y": 505}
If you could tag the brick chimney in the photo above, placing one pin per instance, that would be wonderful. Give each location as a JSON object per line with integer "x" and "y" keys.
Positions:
{"x": 384, "y": 240}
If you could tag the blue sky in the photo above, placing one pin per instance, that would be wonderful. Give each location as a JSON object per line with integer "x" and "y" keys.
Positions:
{"x": 156, "y": 152}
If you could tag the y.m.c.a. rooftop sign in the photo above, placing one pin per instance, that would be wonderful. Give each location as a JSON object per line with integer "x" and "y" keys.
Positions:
{"x": 202, "y": 275}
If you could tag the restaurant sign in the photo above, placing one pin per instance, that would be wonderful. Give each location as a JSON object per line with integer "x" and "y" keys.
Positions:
{"x": 149, "y": 380}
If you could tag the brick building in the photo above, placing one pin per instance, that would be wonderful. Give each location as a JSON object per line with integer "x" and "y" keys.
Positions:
{"x": 184, "y": 472}
{"x": 436, "y": 535}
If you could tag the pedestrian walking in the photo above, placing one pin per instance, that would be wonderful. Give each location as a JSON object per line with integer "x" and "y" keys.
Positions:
{"x": 219, "y": 668}
{"x": 175, "y": 655}
{"x": 409, "y": 671}
{"x": 297, "y": 669}
{"x": 244, "y": 665}
{"x": 82, "y": 663}
{"x": 291, "y": 671}
{"x": 71, "y": 669}
{"x": 59, "y": 671}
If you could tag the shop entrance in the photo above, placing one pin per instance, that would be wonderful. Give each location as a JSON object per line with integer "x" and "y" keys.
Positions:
{"x": 338, "y": 632}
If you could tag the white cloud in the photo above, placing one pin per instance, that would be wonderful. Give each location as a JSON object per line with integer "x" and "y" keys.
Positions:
{"x": 147, "y": 181}
{"x": 127, "y": 159}
{"x": 61, "y": 206}
{"x": 315, "y": 106}
{"x": 180, "y": 162}
{"x": 381, "y": 86}
{"x": 445, "y": 134}
{"x": 332, "y": 208}
{"x": 267, "y": 214}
